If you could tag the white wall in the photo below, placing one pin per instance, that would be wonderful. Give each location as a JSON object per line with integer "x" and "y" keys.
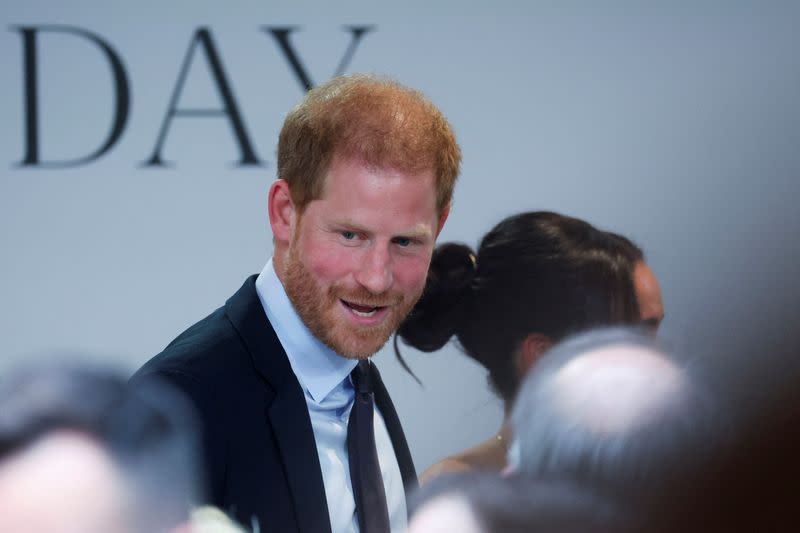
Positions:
{"x": 676, "y": 125}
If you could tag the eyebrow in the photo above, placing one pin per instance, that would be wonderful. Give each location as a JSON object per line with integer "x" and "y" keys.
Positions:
{"x": 420, "y": 231}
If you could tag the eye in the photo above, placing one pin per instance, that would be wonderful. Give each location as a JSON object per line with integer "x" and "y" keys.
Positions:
{"x": 348, "y": 235}
{"x": 402, "y": 241}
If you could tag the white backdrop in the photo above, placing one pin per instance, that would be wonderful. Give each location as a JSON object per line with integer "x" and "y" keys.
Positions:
{"x": 676, "y": 125}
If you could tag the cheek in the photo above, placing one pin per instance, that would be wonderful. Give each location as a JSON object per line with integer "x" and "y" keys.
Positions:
{"x": 410, "y": 273}
{"x": 329, "y": 263}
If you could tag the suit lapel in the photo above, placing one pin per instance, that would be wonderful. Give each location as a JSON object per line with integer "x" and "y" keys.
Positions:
{"x": 287, "y": 413}
{"x": 396, "y": 435}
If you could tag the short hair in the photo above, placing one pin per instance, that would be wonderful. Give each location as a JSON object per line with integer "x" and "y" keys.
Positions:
{"x": 534, "y": 272}
{"x": 689, "y": 424}
{"x": 520, "y": 504}
{"x": 370, "y": 118}
{"x": 149, "y": 431}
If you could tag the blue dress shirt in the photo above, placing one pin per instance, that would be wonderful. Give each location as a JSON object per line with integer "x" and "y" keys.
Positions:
{"x": 325, "y": 378}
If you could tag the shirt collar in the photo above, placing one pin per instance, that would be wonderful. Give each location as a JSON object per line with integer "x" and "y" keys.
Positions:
{"x": 318, "y": 368}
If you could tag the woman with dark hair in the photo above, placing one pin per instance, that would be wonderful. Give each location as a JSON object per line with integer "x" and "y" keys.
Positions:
{"x": 536, "y": 278}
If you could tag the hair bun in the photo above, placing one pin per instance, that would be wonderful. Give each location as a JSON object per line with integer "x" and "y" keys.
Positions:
{"x": 438, "y": 313}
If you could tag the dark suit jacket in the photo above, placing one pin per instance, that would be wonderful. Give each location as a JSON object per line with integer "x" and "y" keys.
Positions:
{"x": 260, "y": 455}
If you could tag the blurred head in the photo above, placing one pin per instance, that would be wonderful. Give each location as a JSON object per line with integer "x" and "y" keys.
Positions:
{"x": 81, "y": 451}
{"x": 367, "y": 169}
{"x": 612, "y": 408}
{"x": 536, "y": 278}
{"x": 63, "y": 482}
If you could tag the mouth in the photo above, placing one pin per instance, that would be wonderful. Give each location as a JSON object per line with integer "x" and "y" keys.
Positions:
{"x": 366, "y": 312}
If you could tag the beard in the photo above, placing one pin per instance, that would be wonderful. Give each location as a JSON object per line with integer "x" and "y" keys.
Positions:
{"x": 319, "y": 309}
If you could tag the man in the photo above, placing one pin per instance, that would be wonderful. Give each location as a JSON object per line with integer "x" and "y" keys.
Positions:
{"x": 82, "y": 452}
{"x": 366, "y": 172}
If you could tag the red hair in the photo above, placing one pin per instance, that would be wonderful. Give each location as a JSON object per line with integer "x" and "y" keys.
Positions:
{"x": 373, "y": 119}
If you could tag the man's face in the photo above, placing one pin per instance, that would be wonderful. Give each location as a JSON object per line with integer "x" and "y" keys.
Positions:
{"x": 359, "y": 255}
{"x": 648, "y": 296}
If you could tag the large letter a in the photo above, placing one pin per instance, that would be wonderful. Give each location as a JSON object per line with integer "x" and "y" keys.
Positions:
{"x": 229, "y": 109}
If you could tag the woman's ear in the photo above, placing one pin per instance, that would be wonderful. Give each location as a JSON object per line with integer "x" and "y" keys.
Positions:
{"x": 531, "y": 349}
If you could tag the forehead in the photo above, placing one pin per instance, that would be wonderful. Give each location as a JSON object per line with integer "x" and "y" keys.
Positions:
{"x": 643, "y": 277}
{"x": 360, "y": 192}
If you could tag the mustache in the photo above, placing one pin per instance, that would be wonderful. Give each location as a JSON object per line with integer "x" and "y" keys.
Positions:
{"x": 362, "y": 296}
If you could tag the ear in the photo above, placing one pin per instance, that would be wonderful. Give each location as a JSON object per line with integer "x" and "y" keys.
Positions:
{"x": 282, "y": 212}
{"x": 443, "y": 219}
{"x": 532, "y": 348}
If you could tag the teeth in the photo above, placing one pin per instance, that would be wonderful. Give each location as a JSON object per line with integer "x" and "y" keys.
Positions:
{"x": 362, "y": 313}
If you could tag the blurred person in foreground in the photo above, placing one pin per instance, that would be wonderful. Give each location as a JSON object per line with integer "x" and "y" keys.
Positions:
{"x": 300, "y": 433}
{"x": 616, "y": 434}
{"x": 536, "y": 278}
{"x": 81, "y": 452}
{"x": 692, "y": 443}
{"x": 600, "y": 423}
{"x": 614, "y": 410}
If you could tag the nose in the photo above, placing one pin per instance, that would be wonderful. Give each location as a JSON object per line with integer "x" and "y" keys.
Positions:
{"x": 375, "y": 273}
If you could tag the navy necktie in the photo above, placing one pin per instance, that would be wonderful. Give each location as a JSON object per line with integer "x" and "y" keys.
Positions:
{"x": 365, "y": 472}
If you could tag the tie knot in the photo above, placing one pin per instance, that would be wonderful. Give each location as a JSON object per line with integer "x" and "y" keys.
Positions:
{"x": 360, "y": 377}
